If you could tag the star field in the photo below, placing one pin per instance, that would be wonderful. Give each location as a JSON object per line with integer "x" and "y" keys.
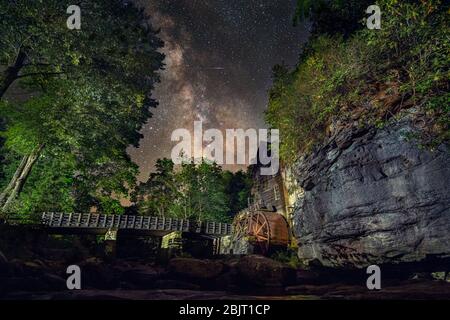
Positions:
{"x": 219, "y": 56}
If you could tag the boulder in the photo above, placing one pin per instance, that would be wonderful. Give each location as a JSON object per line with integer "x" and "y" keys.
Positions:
{"x": 229, "y": 280}
{"x": 373, "y": 196}
{"x": 54, "y": 282}
{"x": 176, "y": 284}
{"x": 97, "y": 274}
{"x": 143, "y": 277}
{"x": 195, "y": 268}
{"x": 3, "y": 259}
{"x": 307, "y": 277}
{"x": 261, "y": 271}
{"x": 23, "y": 268}
{"x": 34, "y": 267}
{"x": 4, "y": 265}
{"x": 92, "y": 261}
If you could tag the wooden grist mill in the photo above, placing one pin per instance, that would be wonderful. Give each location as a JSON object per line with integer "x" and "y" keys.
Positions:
{"x": 265, "y": 225}
{"x": 264, "y": 230}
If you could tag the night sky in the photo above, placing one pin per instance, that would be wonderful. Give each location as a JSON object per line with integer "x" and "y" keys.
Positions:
{"x": 219, "y": 56}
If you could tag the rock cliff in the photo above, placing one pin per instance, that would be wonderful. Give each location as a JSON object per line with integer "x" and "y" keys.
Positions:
{"x": 373, "y": 196}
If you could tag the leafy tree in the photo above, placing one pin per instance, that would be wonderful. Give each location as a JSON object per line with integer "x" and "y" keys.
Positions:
{"x": 210, "y": 199}
{"x": 91, "y": 93}
{"x": 36, "y": 45}
{"x": 199, "y": 191}
{"x": 237, "y": 187}
{"x": 49, "y": 186}
{"x": 332, "y": 16}
{"x": 202, "y": 192}
{"x": 157, "y": 195}
{"x": 339, "y": 80}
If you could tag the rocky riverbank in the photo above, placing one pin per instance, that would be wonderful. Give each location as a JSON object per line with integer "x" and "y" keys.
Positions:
{"x": 235, "y": 278}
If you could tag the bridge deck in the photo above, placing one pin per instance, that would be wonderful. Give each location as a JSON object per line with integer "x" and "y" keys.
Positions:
{"x": 152, "y": 225}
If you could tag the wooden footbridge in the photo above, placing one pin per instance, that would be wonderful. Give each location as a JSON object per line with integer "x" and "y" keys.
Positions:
{"x": 79, "y": 223}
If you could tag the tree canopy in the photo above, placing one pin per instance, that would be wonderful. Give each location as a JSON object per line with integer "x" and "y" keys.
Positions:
{"x": 90, "y": 95}
{"x": 366, "y": 76}
{"x": 193, "y": 191}
{"x": 332, "y": 16}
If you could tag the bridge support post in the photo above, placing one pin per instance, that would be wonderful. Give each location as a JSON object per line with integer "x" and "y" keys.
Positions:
{"x": 111, "y": 243}
{"x": 217, "y": 246}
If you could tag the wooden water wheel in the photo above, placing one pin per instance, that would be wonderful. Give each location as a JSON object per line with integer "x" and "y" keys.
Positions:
{"x": 264, "y": 229}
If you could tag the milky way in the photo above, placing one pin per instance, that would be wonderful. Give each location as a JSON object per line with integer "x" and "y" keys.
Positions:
{"x": 219, "y": 56}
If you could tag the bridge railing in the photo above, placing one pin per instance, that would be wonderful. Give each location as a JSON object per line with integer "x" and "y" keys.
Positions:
{"x": 218, "y": 228}
{"x": 150, "y": 223}
{"x": 103, "y": 221}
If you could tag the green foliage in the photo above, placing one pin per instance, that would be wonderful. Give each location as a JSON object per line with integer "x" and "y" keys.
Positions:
{"x": 289, "y": 257}
{"x": 115, "y": 44}
{"x": 301, "y": 103}
{"x": 237, "y": 187}
{"x": 48, "y": 188}
{"x": 157, "y": 195}
{"x": 193, "y": 191}
{"x": 305, "y": 8}
{"x": 110, "y": 205}
{"x": 338, "y": 79}
{"x": 91, "y": 94}
{"x": 206, "y": 191}
{"x": 332, "y": 17}
{"x": 413, "y": 49}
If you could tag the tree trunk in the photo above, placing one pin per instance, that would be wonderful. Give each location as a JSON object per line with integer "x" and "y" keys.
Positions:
{"x": 12, "y": 183}
{"x": 20, "y": 177}
{"x": 11, "y": 73}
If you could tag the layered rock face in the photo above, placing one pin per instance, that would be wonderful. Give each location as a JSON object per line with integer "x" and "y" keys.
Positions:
{"x": 373, "y": 196}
